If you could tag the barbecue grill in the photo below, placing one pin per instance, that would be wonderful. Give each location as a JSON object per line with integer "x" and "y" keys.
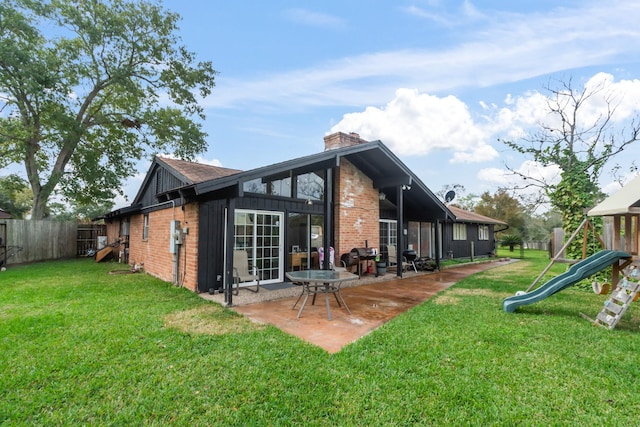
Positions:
{"x": 361, "y": 254}
{"x": 410, "y": 255}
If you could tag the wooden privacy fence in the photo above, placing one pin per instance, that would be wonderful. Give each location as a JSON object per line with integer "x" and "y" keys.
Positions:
{"x": 48, "y": 240}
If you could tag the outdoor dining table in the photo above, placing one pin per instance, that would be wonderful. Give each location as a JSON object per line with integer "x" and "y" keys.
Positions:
{"x": 321, "y": 282}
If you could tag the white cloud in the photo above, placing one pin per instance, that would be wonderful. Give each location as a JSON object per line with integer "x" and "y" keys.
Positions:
{"x": 530, "y": 168}
{"x": 502, "y": 48}
{"x": 461, "y": 16}
{"x": 313, "y": 19}
{"x": 624, "y": 96}
{"x": 198, "y": 159}
{"x": 418, "y": 124}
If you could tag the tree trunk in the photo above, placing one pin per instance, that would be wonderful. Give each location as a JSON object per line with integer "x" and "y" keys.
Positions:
{"x": 39, "y": 209}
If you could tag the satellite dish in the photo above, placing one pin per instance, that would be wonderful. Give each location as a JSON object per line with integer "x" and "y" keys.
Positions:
{"x": 449, "y": 196}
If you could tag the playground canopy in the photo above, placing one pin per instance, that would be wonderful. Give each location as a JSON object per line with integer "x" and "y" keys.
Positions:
{"x": 624, "y": 201}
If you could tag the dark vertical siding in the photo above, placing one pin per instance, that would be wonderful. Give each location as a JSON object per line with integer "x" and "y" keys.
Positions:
{"x": 212, "y": 225}
{"x": 161, "y": 180}
{"x": 211, "y": 245}
{"x": 462, "y": 248}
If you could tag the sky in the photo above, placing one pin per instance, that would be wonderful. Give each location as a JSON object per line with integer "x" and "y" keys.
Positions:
{"x": 437, "y": 81}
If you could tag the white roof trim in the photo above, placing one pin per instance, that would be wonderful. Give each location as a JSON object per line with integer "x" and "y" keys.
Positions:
{"x": 624, "y": 201}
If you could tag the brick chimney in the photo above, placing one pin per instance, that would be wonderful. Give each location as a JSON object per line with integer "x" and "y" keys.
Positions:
{"x": 339, "y": 140}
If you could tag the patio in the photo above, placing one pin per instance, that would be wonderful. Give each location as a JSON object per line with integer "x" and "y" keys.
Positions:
{"x": 373, "y": 301}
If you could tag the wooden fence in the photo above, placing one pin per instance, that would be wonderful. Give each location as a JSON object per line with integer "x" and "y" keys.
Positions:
{"x": 49, "y": 240}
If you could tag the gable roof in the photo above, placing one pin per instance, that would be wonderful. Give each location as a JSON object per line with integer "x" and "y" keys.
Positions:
{"x": 467, "y": 216}
{"x": 373, "y": 158}
{"x": 184, "y": 174}
{"x": 192, "y": 172}
{"x": 624, "y": 201}
{"x": 192, "y": 180}
{"x": 4, "y": 214}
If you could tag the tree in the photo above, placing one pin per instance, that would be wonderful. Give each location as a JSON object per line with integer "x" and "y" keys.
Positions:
{"x": 504, "y": 207}
{"x": 84, "y": 214}
{"x": 106, "y": 85}
{"x": 15, "y": 196}
{"x": 579, "y": 144}
{"x": 460, "y": 199}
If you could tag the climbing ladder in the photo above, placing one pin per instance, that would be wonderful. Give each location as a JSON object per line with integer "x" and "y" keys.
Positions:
{"x": 620, "y": 300}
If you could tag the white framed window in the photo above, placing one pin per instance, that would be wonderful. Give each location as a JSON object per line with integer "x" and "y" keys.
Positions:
{"x": 459, "y": 231}
{"x": 145, "y": 227}
{"x": 483, "y": 232}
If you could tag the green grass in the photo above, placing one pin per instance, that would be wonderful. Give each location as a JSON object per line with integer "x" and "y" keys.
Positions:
{"x": 79, "y": 346}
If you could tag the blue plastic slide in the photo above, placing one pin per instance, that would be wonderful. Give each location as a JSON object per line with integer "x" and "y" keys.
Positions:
{"x": 574, "y": 274}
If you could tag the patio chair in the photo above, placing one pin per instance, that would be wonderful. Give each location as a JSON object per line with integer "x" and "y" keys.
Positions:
{"x": 393, "y": 259}
{"x": 241, "y": 271}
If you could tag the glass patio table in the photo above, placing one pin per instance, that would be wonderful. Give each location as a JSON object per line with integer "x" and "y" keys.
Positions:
{"x": 320, "y": 282}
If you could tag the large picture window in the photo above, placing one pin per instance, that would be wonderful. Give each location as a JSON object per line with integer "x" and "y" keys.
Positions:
{"x": 310, "y": 186}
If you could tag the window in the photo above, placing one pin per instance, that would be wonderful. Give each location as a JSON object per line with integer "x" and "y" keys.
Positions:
{"x": 459, "y": 231}
{"x": 483, "y": 232}
{"x": 274, "y": 187}
{"x": 145, "y": 227}
{"x": 310, "y": 186}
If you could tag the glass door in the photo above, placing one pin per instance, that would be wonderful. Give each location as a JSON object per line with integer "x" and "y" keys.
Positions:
{"x": 304, "y": 237}
{"x": 260, "y": 234}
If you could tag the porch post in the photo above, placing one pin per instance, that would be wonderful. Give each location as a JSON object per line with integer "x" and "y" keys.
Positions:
{"x": 399, "y": 230}
{"x": 438, "y": 244}
{"x": 328, "y": 237}
{"x": 228, "y": 251}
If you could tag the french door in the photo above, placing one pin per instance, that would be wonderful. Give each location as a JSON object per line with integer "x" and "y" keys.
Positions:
{"x": 260, "y": 233}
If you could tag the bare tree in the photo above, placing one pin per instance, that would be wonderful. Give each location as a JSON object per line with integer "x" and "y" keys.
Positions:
{"x": 581, "y": 144}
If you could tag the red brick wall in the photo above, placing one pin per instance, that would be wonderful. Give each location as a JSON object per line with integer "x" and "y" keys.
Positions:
{"x": 340, "y": 139}
{"x": 357, "y": 210}
{"x": 154, "y": 252}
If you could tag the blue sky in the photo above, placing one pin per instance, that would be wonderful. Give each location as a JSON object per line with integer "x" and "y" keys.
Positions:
{"x": 438, "y": 81}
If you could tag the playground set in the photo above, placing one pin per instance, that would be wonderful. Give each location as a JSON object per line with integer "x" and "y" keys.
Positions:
{"x": 621, "y": 257}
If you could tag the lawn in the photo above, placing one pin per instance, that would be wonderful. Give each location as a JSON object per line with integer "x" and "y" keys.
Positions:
{"x": 80, "y": 346}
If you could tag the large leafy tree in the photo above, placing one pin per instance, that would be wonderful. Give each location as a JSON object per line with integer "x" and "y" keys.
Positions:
{"x": 15, "y": 195}
{"x": 579, "y": 143}
{"x": 88, "y": 87}
{"x": 501, "y": 205}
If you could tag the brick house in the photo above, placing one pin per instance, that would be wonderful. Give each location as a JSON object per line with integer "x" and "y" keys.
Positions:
{"x": 187, "y": 218}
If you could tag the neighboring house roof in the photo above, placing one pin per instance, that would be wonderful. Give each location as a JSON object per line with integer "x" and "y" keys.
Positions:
{"x": 624, "y": 201}
{"x": 467, "y": 216}
{"x": 4, "y": 214}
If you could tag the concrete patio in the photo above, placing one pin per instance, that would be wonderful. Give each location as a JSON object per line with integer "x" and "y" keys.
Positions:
{"x": 372, "y": 301}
